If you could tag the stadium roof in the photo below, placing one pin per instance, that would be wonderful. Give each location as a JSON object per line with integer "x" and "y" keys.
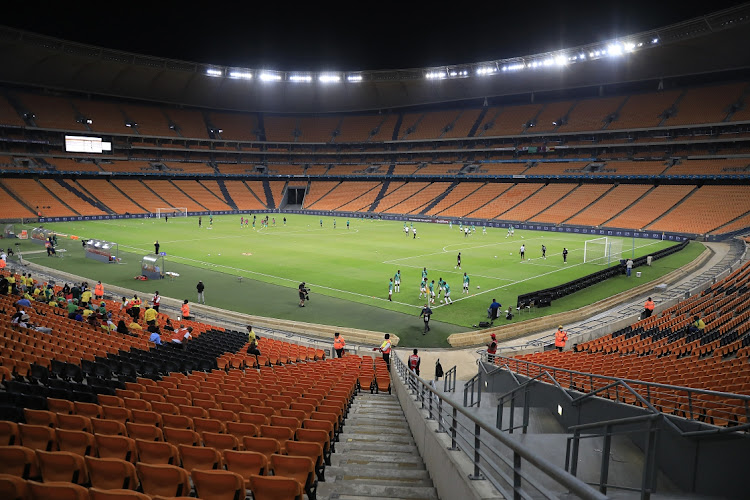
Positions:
{"x": 708, "y": 44}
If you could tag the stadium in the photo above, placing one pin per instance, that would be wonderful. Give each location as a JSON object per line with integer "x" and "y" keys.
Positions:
{"x": 597, "y": 191}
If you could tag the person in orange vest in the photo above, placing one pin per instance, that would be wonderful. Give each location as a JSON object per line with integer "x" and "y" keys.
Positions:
{"x": 561, "y": 336}
{"x": 135, "y": 308}
{"x": 338, "y": 344}
{"x": 414, "y": 361}
{"x": 648, "y": 308}
{"x": 385, "y": 348}
{"x": 185, "y": 310}
{"x": 492, "y": 348}
{"x": 99, "y": 291}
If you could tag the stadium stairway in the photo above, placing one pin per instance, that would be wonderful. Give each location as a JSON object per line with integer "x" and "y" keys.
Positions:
{"x": 478, "y": 122}
{"x": 269, "y": 195}
{"x": 376, "y": 457}
{"x": 439, "y": 198}
{"x": 384, "y": 187}
{"x": 224, "y": 192}
{"x": 87, "y": 199}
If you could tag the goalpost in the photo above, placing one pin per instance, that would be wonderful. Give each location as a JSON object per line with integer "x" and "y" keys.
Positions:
{"x": 602, "y": 251}
{"x": 171, "y": 212}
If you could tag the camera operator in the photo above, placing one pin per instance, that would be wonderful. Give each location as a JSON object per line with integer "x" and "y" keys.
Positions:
{"x": 304, "y": 294}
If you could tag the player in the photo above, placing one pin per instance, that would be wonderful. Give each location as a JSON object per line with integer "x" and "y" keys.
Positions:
{"x": 390, "y": 290}
{"x": 458, "y": 261}
{"x": 166, "y": 217}
{"x": 466, "y": 284}
{"x": 347, "y": 224}
{"x": 448, "y": 299}
{"x": 414, "y": 230}
{"x": 334, "y": 223}
{"x": 484, "y": 230}
{"x": 565, "y": 255}
{"x": 406, "y": 230}
{"x": 441, "y": 286}
{"x": 473, "y": 229}
{"x": 424, "y": 273}
{"x": 253, "y": 223}
{"x": 423, "y": 288}
{"x": 432, "y": 291}
{"x": 210, "y": 220}
{"x": 274, "y": 221}
{"x": 509, "y": 228}
{"x": 512, "y": 231}
{"x": 321, "y": 222}
{"x": 397, "y": 281}
{"x": 200, "y": 221}
{"x": 544, "y": 252}
{"x": 285, "y": 221}
{"x": 450, "y": 224}
{"x": 523, "y": 251}
{"x": 466, "y": 232}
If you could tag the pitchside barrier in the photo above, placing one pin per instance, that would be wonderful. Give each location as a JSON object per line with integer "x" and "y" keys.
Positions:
{"x": 479, "y": 223}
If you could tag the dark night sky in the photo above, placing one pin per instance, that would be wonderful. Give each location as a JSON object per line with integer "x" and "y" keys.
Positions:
{"x": 358, "y": 35}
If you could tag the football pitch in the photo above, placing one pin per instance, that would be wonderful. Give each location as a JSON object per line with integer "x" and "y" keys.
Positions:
{"x": 348, "y": 268}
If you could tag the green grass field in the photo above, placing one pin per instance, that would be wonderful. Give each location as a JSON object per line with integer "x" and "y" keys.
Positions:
{"x": 348, "y": 270}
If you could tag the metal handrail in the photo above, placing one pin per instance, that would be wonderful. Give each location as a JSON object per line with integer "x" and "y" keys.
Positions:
{"x": 449, "y": 382}
{"x": 447, "y": 417}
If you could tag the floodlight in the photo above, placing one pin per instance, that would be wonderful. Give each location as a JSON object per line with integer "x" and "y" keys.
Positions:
{"x": 214, "y": 72}
{"x": 655, "y": 40}
{"x": 329, "y": 78}
{"x": 270, "y": 77}
{"x": 354, "y": 78}
{"x": 245, "y": 75}
{"x": 436, "y": 74}
{"x": 453, "y": 73}
{"x": 581, "y": 56}
{"x": 300, "y": 78}
{"x": 614, "y": 49}
{"x": 640, "y": 44}
{"x": 629, "y": 46}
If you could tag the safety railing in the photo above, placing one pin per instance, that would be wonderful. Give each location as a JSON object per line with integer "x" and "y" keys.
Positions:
{"x": 516, "y": 476}
{"x": 474, "y": 384}
{"x": 449, "y": 382}
{"x": 651, "y": 431}
{"x": 729, "y": 412}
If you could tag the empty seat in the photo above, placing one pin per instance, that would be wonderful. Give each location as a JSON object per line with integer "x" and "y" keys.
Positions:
{"x": 182, "y": 436}
{"x": 147, "y": 417}
{"x": 62, "y": 466}
{"x": 111, "y": 473}
{"x": 242, "y": 429}
{"x": 314, "y": 451}
{"x": 199, "y": 457}
{"x": 108, "y": 427}
{"x": 13, "y": 487}
{"x": 275, "y": 488}
{"x": 220, "y": 441}
{"x": 88, "y": 409}
{"x": 177, "y": 421}
{"x": 281, "y": 434}
{"x": 301, "y": 469}
{"x": 144, "y": 431}
{"x": 116, "y": 494}
{"x": 9, "y": 434}
{"x": 246, "y": 463}
{"x": 121, "y": 447}
{"x": 163, "y": 480}
{"x": 74, "y": 423}
{"x": 19, "y": 461}
{"x": 38, "y": 437}
{"x": 155, "y": 452}
{"x": 58, "y": 491}
{"x": 266, "y": 446}
{"x": 40, "y": 417}
{"x": 78, "y": 442}
{"x": 218, "y": 485}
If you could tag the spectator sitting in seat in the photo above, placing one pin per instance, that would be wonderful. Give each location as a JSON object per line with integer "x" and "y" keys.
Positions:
{"x": 155, "y": 337}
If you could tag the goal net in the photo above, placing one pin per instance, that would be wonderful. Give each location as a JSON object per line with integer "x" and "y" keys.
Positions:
{"x": 171, "y": 212}
{"x": 602, "y": 251}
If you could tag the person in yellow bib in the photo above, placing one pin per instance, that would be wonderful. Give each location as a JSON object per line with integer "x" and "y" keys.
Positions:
{"x": 150, "y": 316}
{"x": 338, "y": 344}
{"x": 385, "y": 348}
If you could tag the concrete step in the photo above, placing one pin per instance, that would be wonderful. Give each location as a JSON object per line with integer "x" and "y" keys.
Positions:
{"x": 356, "y": 436}
{"x": 355, "y": 446}
{"x": 374, "y": 430}
{"x": 399, "y": 460}
{"x": 338, "y": 473}
{"x": 353, "y": 421}
{"x": 351, "y": 491}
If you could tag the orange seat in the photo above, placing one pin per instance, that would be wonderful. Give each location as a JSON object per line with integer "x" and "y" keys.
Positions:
{"x": 316, "y": 436}
{"x": 156, "y": 452}
{"x": 38, "y": 437}
{"x": 144, "y": 431}
{"x": 220, "y": 441}
{"x": 120, "y": 447}
{"x": 246, "y": 463}
{"x": 78, "y": 442}
{"x": 108, "y": 427}
{"x": 74, "y": 422}
{"x": 314, "y": 451}
{"x": 182, "y": 436}
{"x": 254, "y": 418}
{"x": 13, "y": 487}
{"x": 147, "y": 417}
{"x": 193, "y": 411}
{"x": 301, "y": 469}
{"x": 281, "y": 434}
{"x": 218, "y": 484}
{"x": 106, "y": 399}
{"x": 264, "y": 445}
{"x": 177, "y": 421}
{"x": 136, "y": 404}
{"x": 58, "y": 491}
{"x": 40, "y": 417}
{"x": 117, "y": 413}
{"x": 199, "y": 457}
{"x": 88, "y": 409}
{"x": 208, "y": 425}
{"x": 242, "y": 429}
{"x": 116, "y": 494}
{"x": 111, "y": 473}
{"x": 9, "y": 435}
{"x": 19, "y": 461}
{"x": 275, "y": 488}
{"x": 62, "y": 466}
{"x": 291, "y": 422}
{"x": 163, "y": 480}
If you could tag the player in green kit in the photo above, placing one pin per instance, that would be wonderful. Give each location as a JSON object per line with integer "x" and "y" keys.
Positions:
{"x": 347, "y": 223}
{"x": 424, "y": 273}
{"x": 321, "y": 222}
{"x": 390, "y": 290}
{"x": 432, "y": 291}
{"x": 448, "y": 299}
{"x": 466, "y": 284}
{"x": 441, "y": 286}
{"x": 423, "y": 288}
{"x": 397, "y": 281}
